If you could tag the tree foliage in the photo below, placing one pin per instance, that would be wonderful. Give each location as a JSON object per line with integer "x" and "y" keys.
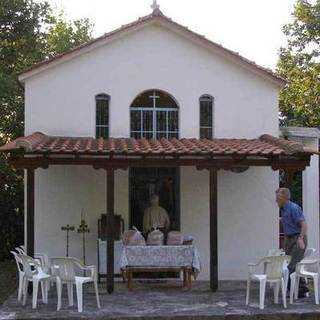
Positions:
{"x": 29, "y": 32}
{"x": 299, "y": 64}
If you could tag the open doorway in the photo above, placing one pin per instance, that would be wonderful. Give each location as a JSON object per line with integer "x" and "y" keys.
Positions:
{"x": 144, "y": 182}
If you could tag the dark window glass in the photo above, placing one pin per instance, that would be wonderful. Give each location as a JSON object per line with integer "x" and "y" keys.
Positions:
{"x": 206, "y": 117}
{"x": 102, "y": 116}
{"x": 135, "y": 120}
{"x": 154, "y": 114}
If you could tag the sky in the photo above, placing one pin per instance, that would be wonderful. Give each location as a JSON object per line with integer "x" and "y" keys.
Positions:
{"x": 251, "y": 27}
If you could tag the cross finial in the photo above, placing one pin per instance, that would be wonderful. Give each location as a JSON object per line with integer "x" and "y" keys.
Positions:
{"x": 155, "y": 7}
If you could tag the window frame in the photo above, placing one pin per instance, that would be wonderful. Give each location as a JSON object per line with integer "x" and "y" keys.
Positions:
{"x": 105, "y": 97}
{"x": 211, "y": 98}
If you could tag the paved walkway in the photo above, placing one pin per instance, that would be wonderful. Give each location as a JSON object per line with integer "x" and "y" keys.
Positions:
{"x": 164, "y": 301}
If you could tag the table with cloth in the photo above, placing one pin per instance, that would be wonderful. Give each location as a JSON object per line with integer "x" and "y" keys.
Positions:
{"x": 183, "y": 258}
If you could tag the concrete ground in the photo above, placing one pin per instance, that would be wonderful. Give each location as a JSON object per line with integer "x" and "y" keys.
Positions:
{"x": 164, "y": 300}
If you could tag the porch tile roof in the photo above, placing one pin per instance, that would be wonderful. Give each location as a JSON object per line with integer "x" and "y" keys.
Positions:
{"x": 266, "y": 145}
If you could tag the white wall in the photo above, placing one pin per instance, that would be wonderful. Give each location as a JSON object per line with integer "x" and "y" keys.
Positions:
{"x": 248, "y": 218}
{"x": 60, "y": 101}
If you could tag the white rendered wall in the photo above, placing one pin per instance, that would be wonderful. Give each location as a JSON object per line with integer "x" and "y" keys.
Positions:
{"x": 61, "y": 101}
{"x": 248, "y": 223}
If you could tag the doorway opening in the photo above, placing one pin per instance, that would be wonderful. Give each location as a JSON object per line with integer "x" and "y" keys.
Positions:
{"x": 145, "y": 182}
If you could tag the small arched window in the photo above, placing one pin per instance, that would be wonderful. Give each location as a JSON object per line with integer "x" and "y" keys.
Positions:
{"x": 102, "y": 115}
{"x": 206, "y": 117}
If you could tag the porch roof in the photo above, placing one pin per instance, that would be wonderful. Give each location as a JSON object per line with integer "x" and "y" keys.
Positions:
{"x": 41, "y": 150}
{"x": 266, "y": 145}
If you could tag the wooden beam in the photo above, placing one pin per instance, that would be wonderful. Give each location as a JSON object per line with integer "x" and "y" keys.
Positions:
{"x": 116, "y": 163}
{"x": 110, "y": 229}
{"x": 30, "y": 212}
{"x": 213, "y": 229}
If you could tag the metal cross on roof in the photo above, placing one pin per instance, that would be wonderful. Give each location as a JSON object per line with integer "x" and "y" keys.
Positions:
{"x": 155, "y": 6}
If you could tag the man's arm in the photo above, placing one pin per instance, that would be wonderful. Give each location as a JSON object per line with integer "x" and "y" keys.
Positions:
{"x": 304, "y": 228}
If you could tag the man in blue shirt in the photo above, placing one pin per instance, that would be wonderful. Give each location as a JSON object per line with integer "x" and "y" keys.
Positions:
{"x": 295, "y": 231}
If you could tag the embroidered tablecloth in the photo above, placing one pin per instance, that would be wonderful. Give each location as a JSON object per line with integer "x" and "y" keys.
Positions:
{"x": 160, "y": 256}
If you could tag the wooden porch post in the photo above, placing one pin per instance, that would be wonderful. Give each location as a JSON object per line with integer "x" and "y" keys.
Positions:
{"x": 30, "y": 212}
{"x": 213, "y": 230}
{"x": 110, "y": 229}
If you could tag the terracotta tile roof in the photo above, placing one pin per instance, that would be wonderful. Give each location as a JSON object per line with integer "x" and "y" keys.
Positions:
{"x": 265, "y": 146}
{"x": 158, "y": 15}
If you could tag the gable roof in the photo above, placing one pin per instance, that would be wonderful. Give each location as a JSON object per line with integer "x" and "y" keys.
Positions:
{"x": 155, "y": 17}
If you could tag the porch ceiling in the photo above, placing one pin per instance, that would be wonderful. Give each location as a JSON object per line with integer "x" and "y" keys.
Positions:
{"x": 265, "y": 150}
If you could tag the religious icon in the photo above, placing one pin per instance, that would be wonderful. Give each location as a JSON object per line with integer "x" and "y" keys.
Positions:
{"x": 67, "y": 228}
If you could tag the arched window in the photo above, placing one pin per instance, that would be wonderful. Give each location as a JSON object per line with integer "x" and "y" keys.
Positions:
{"x": 102, "y": 115}
{"x": 206, "y": 117}
{"x": 154, "y": 114}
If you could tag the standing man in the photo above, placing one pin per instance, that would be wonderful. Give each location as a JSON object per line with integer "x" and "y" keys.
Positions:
{"x": 295, "y": 231}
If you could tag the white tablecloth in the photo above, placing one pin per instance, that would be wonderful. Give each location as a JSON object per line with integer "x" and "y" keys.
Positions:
{"x": 160, "y": 256}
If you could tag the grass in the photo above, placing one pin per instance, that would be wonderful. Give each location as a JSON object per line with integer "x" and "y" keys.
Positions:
{"x": 8, "y": 279}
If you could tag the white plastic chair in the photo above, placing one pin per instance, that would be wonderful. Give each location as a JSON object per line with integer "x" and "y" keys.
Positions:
{"x": 34, "y": 273}
{"x": 20, "y": 250}
{"x": 66, "y": 269}
{"x": 302, "y": 272}
{"x": 275, "y": 252}
{"x": 20, "y": 274}
{"x": 273, "y": 273}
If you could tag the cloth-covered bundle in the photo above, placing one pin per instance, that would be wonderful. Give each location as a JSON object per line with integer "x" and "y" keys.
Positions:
{"x": 133, "y": 238}
{"x": 174, "y": 238}
{"x": 188, "y": 240}
{"x": 155, "y": 238}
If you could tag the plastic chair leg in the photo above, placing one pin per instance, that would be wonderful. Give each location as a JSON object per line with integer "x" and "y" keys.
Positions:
{"x": 296, "y": 288}
{"x": 95, "y": 283}
{"x": 70, "y": 294}
{"x": 284, "y": 292}
{"x": 44, "y": 291}
{"x": 316, "y": 288}
{"x": 20, "y": 288}
{"x": 79, "y": 295}
{"x": 262, "y": 293}
{"x": 25, "y": 291}
{"x": 59, "y": 290}
{"x": 276, "y": 289}
{"x": 292, "y": 286}
{"x": 248, "y": 291}
{"x": 35, "y": 285}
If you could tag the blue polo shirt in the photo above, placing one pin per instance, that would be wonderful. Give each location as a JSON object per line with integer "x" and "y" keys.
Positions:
{"x": 291, "y": 216}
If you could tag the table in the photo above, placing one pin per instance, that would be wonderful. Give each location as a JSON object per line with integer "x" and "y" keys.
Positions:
{"x": 184, "y": 258}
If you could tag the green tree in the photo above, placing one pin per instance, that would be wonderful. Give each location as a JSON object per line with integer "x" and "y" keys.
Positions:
{"x": 29, "y": 32}
{"x": 299, "y": 64}
{"x": 64, "y": 35}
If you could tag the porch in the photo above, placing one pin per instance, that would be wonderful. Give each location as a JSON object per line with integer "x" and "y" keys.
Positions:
{"x": 39, "y": 151}
{"x": 164, "y": 300}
